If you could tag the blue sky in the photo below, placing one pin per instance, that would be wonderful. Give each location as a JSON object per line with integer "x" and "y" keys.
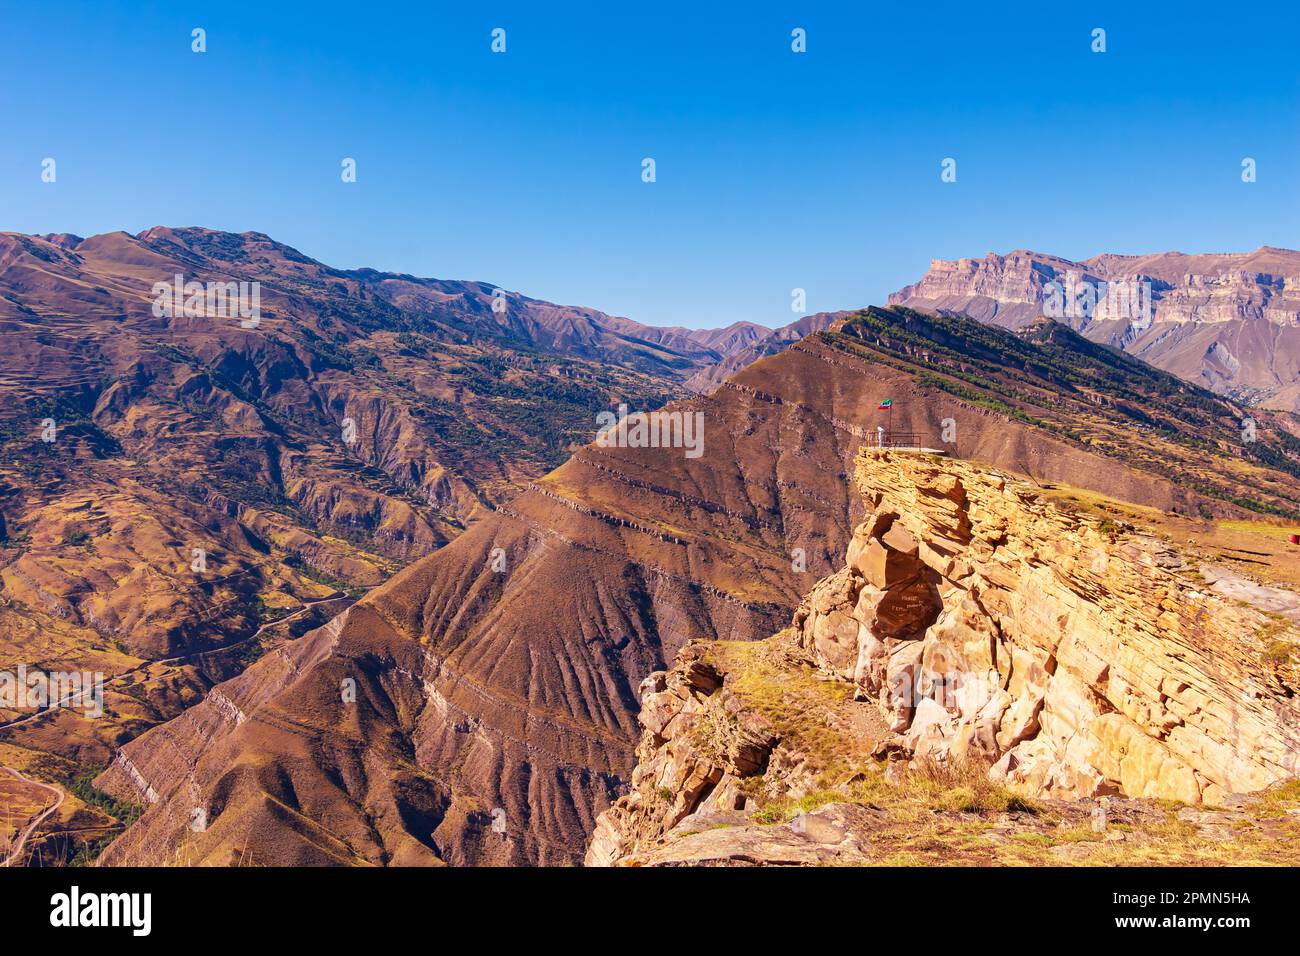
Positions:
{"x": 775, "y": 170}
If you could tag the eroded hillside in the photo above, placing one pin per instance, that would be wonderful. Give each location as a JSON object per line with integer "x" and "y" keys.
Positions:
{"x": 511, "y": 685}
{"x": 180, "y": 492}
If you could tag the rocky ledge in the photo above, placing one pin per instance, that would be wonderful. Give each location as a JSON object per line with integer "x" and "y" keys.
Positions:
{"x": 991, "y": 674}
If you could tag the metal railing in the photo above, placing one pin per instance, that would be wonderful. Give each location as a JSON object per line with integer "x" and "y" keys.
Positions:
{"x": 890, "y": 439}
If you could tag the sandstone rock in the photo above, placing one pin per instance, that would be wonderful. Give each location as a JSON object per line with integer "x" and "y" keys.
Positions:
{"x": 883, "y": 567}
{"x": 997, "y": 626}
{"x": 899, "y": 539}
{"x": 898, "y": 699}
{"x": 835, "y": 641}
{"x": 993, "y": 627}
{"x": 902, "y": 613}
{"x": 831, "y": 835}
{"x": 699, "y": 744}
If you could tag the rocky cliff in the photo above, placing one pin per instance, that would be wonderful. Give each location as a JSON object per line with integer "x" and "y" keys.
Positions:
{"x": 1230, "y": 322}
{"x": 984, "y": 639}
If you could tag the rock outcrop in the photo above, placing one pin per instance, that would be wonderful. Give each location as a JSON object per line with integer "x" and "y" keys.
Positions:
{"x": 977, "y": 623}
{"x": 1229, "y": 322}
{"x": 695, "y": 745}
{"x": 995, "y": 625}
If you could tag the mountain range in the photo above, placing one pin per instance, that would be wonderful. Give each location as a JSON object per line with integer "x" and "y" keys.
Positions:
{"x": 364, "y": 419}
{"x": 514, "y": 687}
{"x": 1229, "y": 322}
{"x": 366, "y": 588}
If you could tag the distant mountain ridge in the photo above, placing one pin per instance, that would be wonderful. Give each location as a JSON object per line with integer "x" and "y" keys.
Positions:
{"x": 573, "y": 329}
{"x": 711, "y": 376}
{"x": 1226, "y": 321}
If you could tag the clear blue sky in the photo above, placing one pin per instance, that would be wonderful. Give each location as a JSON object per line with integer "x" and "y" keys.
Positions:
{"x": 775, "y": 170}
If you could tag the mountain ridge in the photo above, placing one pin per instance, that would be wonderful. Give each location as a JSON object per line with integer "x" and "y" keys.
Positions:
{"x": 176, "y": 480}
{"x": 1228, "y": 321}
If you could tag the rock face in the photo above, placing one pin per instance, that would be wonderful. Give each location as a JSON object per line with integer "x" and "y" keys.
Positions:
{"x": 977, "y": 623}
{"x": 695, "y": 745}
{"x": 1229, "y": 322}
{"x": 995, "y": 626}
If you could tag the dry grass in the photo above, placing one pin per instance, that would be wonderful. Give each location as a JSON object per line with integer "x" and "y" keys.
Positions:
{"x": 811, "y": 713}
{"x": 1259, "y": 548}
{"x": 966, "y": 788}
{"x": 927, "y": 790}
{"x": 953, "y": 814}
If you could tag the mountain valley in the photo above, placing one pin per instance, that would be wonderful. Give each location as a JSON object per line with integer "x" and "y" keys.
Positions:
{"x": 506, "y": 690}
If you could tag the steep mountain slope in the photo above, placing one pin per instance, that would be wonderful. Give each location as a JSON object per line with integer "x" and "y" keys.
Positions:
{"x": 730, "y": 340}
{"x": 771, "y": 342}
{"x": 499, "y": 686}
{"x": 984, "y": 648}
{"x": 1229, "y": 322}
{"x": 172, "y": 479}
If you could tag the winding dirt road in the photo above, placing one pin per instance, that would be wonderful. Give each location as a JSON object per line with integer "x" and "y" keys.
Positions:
{"x": 16, "y": 852}
{"x": 21, "y": 842}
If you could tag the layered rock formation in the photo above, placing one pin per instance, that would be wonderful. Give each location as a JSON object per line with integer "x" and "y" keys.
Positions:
{"x": 977, "y": 624}
{"x": 1230, "y": 322}
{"x": 998, "y": 627}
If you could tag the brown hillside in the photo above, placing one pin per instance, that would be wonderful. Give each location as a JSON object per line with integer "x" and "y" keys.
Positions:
{"x": 515, "y": 690}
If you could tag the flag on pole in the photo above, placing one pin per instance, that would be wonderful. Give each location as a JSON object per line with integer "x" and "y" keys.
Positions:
{"x": 887, "y": 403}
